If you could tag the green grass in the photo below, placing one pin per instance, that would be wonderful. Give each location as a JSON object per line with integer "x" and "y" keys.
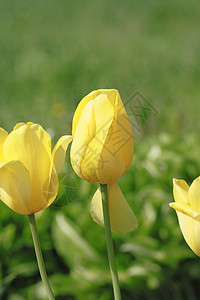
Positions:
{"x": 54, "y": 53}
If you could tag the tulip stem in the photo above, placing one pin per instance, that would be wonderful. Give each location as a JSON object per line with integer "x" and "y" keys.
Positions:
{"x": 110, "y": 250}
{"x": 39, "y": 256}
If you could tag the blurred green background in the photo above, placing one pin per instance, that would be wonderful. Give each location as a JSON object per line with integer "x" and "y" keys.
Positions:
{"x": 52, "y": 54}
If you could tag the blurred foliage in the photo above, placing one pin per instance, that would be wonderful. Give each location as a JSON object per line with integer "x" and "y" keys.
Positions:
{"x": 51, "y": 55}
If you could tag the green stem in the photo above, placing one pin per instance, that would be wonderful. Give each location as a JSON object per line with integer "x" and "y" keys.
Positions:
{"x": 39, "y": 256}
{"x": 110, "y": 250}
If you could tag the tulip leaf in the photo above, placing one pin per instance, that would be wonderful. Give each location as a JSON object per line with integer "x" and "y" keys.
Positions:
{"x": 5, "y": 283}
{"x": 69, "y": 243}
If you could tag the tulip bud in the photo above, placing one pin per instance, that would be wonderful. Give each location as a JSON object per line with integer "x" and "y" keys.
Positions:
{"x": 28, "y": 169}
{"x": 102, "y": 152}
{"x": 187, "y": 206}
{"x": 102, "y": 147}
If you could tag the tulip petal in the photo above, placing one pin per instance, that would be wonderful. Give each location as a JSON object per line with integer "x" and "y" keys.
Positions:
{"x": 194, "y": 194}
{"x": 120, "y": 142}
{"x": 39, "y": 131}
{"x": 109, "y": 93}
{"x": 114, "y": 159}
{"x": 92, "y": 160}
{"x": 122, "y": 218}
{"x": 18, "y": 125}
{"x": 79, "y": 111}
{"x": 96, "y": 208}
{"x": 102, "y": 149}
{"x": 14, "y": 186}
{"x": 123, "y": 128}
{"x": 59, "y": 152}
{"x": 82, "y": 137}
{"x": 3, "y": 136}
{"x": 180, "y": 191}
{"x": 191, "y": 231}
{"x": 185, "y": 209}
{"x": 24, "y": 144}
{"x": 89, "y": 138}
{"x": 43, "y": 137}
{"x": 50, "y": 187}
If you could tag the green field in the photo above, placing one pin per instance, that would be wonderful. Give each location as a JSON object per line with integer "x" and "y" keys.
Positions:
{"x": 52, "y": 54}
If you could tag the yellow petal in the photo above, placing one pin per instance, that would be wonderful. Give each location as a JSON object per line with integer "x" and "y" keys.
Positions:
{"x": 110, "y": 93}
{"x": 18, "y": 125}
{"x": 79, "y": 111}
{"x": 102, "y": 149}
{"x": 191, "y": 231}
{"x": 31, "y": 123}
{"x": 96, "y": 208}
{"x": 185, "y": 209}
{"x": 180, "y": 191}
{"x": 43, "y": 137}
{"x": 121, "y": 136}
{"x": 14, "y": 186}
{"x": 59, "y": 152}
{"x": 41, "y": 134}
{"x": 117, "y": 153}
{"x": 194, "y": 194}
{"x": 90, "y": 164}
{"x": 111, "y": 165}
{"x": 90, "y": 135}
{"x": 83, "y": 135}
{"x": 123, "y": 127}
{"x": 122, "y": 218}
{"x": 114, "y": 161}
{"x": 50, "y": 187}
{"x": 3, "y": 136}
{"x": 24, "y": 144}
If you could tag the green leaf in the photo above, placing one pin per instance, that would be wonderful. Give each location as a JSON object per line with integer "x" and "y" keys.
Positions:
{"x": 70, "y": 244}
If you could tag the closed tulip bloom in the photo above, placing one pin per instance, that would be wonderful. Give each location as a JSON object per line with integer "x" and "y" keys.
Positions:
{"x": 28, "y": 169}
{"x": 102, "y": 152}
{"x": 187, "y": 206}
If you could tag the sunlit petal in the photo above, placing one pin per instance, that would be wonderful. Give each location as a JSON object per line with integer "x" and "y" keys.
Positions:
{"x": 180, "y": 191}
{"x": 3, "y": 136}
{"x": 194, "y": 194}
{"x": 91, "y": 160}
{"x": 50, "y": 187}
{"x": 185, "y": 209}
{"x": 92, "y": 130}
{"x": 122, "y": 218}
{"x": 24, "y": 145}
{"x": 18, "y": 125}
{"x": 59, "y": 152}
{"x": 14, "y": 186}
{"x": 96, "y": 209}
{"x": 43, "y": 137}
{"x": 191, "y": 231}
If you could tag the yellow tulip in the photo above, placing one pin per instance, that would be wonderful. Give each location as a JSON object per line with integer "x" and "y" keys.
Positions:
{"x": 28, "y": 169}
{"x": 102, "y": 152}
{"x": 187, "y": 206}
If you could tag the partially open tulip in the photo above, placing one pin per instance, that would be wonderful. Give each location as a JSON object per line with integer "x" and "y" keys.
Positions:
{"x": 187, "y": 206}
{"x": 102, "y": 152}
{"x": 28, "y": 169}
